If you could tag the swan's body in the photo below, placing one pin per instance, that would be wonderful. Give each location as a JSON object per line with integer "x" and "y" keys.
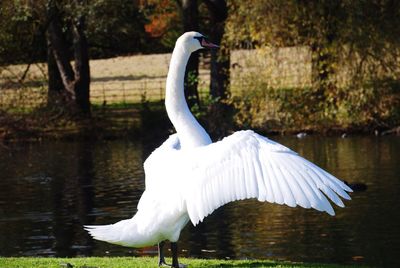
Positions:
{"x": 188, "y": 176}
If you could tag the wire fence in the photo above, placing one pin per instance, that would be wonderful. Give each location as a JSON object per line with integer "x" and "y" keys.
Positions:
{"x": 127, "y": 92}
{"x": 101, "y": 93}
{"x": 279, "y": 68}
{"x": 104, "y": 94}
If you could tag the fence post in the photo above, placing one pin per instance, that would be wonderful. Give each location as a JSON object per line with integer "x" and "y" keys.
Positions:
{"x": 123, "y": 94}
{"x": 104, "y": 96}
{"x": 161, "y": 90}
{"x": 145, "y": 90}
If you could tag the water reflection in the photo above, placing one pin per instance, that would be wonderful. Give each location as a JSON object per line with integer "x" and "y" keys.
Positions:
{"x": 49, "y": 190}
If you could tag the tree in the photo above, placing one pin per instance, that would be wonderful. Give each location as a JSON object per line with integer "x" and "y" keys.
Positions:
{"x": 21, "y": 33}
{"x": 55, "y": 83}
{"x": 334, "y": 30}
{"x": 219, "y": 111}
{"x": 58, "y": 32}
{"x": 115, "y": 28}
{"x": 360, "y": 38}
{"x": 220, "y": 59}
{"x": 76, "y": 81}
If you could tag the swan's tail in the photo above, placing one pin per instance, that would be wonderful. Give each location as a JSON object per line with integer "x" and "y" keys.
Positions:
{"x": 121, "y": 233}
{"x": 105, "y": 233}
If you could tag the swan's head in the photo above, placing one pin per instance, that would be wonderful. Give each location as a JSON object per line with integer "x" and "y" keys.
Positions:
{"x": 193, "y": 41}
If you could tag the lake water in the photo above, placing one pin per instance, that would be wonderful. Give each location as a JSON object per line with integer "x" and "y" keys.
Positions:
{"x": 49, "y": 190}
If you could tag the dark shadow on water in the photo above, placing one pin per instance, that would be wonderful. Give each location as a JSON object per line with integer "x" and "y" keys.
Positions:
{"x": 73, "y": 195}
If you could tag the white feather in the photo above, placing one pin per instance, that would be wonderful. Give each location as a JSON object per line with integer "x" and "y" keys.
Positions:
{"x": 266, "y": 170}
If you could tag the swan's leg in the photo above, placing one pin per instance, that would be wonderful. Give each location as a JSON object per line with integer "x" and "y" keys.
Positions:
{"x": 174, "y": 249}
{"x": 161, "y": 258}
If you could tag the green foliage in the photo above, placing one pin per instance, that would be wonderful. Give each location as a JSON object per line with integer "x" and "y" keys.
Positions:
{"x": 354, "y": 56}
{"x": 355, "y": 33}
{"x": 21, "y": 36}
{"x": 364, "y": 24}
{"x": 375, "y": 105}
{"x": 115, "y": 28}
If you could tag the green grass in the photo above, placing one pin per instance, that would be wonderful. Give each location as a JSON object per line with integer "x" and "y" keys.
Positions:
{"x": 142, "y": 262}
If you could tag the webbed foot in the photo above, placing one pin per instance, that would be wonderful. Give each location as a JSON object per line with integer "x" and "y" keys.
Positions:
{"x": 164, "y": 264}
{"x": 179, "y": 265}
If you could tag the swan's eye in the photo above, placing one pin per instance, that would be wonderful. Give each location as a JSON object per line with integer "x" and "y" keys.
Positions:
{"x": 200, "y": 38}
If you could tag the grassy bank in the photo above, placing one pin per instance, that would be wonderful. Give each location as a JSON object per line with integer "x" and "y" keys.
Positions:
{"x": 107, "y": 122}
{"x": 142, "y": 262}
{"x": 146, "y": 121}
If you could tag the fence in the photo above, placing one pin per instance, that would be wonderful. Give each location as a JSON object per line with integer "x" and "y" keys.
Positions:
{"x": 112, "y": 82}
{"x": 105, "y": 93}
{"x": 101, "y": 93}
{"x": 127, "y": 92}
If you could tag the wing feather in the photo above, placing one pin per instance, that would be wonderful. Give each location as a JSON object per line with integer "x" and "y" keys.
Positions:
{"x": 303, "y": 195}
{"x": 262, "y": 189}
{"x": 298, "y": 195}
{"x": 322, "y": 204}
{"x": 329, "y": 181}
{"x": 283, "y": 182}
{"x": 267, "y": 179}
{"x": 248, "y": 165}
{"x": 274, "y": 181}
{"x": 321, "y": 186}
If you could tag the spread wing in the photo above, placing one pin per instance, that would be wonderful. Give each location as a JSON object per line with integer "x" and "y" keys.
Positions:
{"x": 247, "y": 165}
{"x": 163, "y": 177}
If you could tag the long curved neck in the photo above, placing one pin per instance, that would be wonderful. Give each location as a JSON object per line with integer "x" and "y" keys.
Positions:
{"x": 190, "y": 133}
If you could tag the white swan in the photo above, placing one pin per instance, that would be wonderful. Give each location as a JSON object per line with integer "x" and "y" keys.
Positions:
{"x": 188, "y": 176}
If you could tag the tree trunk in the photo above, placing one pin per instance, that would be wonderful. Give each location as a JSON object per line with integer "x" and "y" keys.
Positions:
{"x": 190, "y": 23}
{"x": 220, "y": 59}
{"x": 75, "y": 81}
{"x": 55, "y": 84}
{"x": 82, "y": 70}
{"x": 220, "y": 113}
{"x": 60, "y": 53}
